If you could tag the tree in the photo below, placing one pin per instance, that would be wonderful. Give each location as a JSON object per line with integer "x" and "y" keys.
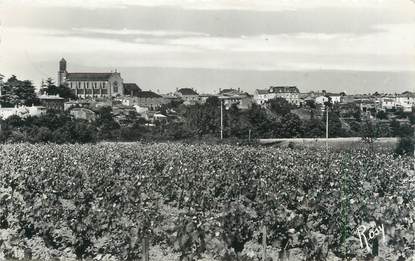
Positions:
{"x": 395, "y": 125}
{"x": 411, "y": 118}
{"x": 313, "y": 128}
{"x": 202, "y": 119}
{"x": 382, "y": 115}
{"x": 17, "y": 92}
{"x": 261, "y": 125}
{"x": 405, "y": 146}
{"x": 405, "y": 130}
{"x": 63, "y": 91}
{"x": 279, "y": 106}
{"x": 51, "y": 120}
{"x": 335, "y": 125}
{"x": 108, "y": 128}
{"x": 40, "y": 134}
{"x": 369, "y": 132}
{"x": 357, "y": 114}
{"x": 311, "y": 104}
{"x": 289, "y": 127}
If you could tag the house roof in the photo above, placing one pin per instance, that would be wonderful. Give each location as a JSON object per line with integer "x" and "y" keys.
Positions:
{"x": 187, "y": 91}
{"x": 262, "y": 91}
{"x": 49, "y": 97}
{"x": 233, "y": 92}
{"x": 148, "y": 94}
{"x": 318, "y": 94}
{"x": 131, "y": 87}
{"x": 283, "y": 89}
{"x": 88, "y": 76}
{"x": 407, "y": 94}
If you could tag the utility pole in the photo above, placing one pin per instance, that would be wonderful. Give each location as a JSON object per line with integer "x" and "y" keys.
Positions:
{"x": 221, "y": 120}
{"x": 1, "y": 84}
{"x": 327, "y": 128}
{"x": 327, "y": 105}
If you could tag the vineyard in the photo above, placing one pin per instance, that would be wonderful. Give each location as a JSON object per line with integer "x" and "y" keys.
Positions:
{"x": 203, "y": 202}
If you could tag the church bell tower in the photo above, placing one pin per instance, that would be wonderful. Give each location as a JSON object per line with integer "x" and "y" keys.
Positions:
{"x": 62, "y": 72}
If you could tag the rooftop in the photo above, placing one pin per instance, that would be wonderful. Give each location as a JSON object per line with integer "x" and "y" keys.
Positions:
{"x": 148, "y": 94}
{"x": 131, "y": 87}
{"x": 88, "y": 76}
{"x": 187, "y": 91}
{"x": 283, "y": 89}
{"x": 262, "y": 91}
{"x": 50, "y": 97}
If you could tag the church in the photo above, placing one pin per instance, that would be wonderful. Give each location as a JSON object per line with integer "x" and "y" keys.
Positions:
{"x": 91, "y": 85}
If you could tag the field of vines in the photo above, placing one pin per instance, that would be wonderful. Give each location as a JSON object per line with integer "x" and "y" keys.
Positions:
{"x": 204, "y": 202}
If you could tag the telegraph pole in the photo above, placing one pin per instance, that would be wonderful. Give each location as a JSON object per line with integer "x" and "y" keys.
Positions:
{"x": 1, "y": 84}
{"x": 327, "y": 105}
{"x": 327, "y": 128}
{"x": 221, "y": 119}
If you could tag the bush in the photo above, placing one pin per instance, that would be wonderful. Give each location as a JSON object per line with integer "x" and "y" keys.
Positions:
{"x": 405, "y": 146}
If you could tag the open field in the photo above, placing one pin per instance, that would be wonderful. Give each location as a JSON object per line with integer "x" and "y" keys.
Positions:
{"x": 203, "y": 202}
{"x": 334, "y": 143}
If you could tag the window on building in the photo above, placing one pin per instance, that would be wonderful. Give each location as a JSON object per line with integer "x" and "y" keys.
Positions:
{"x": 115, "y": 86}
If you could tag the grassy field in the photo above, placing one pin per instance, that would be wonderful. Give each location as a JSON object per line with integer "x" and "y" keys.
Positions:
{"x": 334, "y": 143}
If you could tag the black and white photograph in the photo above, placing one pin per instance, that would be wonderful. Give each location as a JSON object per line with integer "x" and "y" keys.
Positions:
{"x": 228, "y": 130}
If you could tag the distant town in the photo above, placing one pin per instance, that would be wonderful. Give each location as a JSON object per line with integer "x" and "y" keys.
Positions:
{"x": 135, "y": 113}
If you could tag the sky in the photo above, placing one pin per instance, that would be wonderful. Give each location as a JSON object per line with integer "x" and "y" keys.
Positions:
{"x": 356, "y": 46}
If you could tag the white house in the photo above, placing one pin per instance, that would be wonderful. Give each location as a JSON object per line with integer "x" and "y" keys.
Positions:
{"x": 188, "y": 95}
{"x": 323, "y": 97}
{"x": 22, "y": 111}
{"x": 237, "y": 97}
{"x": 290, "y": 93}
{"x": 405, "y": 101}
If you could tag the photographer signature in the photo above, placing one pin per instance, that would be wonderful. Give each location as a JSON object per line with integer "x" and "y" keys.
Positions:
{"x": 366, "y": 234}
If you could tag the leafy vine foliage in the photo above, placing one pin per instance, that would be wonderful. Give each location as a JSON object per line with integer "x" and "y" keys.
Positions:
{"x": 204, "y": 202}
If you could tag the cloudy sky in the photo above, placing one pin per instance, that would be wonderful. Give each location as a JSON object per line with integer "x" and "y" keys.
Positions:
{"x": 337, "y": 45}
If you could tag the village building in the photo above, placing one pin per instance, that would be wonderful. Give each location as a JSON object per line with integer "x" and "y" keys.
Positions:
{"x": 131, "y": 89}
{"x": 290, "y": 93}
{"x": 91, "y": 84}
{"x": 52, "y": 102}
{"x": 83, "y": 113}
{"x": 405, "y": 101}
{"x": 188, "y": 95}
{"x": 230, "y": 97}
{"x": 146, "y": 99}
{"x": 76, "y": 104}
{"x": 323, "y": 96}
{"x": 22, "y": 111}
